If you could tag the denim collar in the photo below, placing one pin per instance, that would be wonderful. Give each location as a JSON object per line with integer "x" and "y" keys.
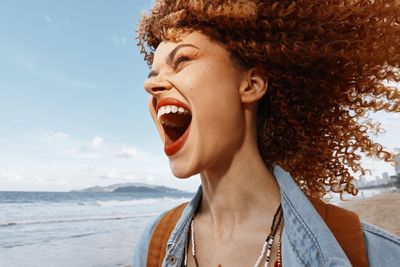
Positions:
{"x": 305, "y": 235}
{"x": 305, "y": 231}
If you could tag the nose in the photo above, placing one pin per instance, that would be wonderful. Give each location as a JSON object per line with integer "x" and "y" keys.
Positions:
{"x": 157, "y": 87}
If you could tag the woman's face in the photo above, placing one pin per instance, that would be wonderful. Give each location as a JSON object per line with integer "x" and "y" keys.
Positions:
{"x": 195, "y": 103}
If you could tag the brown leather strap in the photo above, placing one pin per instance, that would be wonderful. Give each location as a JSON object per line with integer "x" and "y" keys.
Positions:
{"x": 346, "y": 227}
{"x": 161, "y": 234}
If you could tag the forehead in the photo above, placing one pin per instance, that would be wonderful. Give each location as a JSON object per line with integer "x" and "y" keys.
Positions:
{"x": 200, "y": 40}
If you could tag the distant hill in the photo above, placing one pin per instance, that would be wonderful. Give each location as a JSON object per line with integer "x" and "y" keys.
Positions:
{"x": 131, "y": 187}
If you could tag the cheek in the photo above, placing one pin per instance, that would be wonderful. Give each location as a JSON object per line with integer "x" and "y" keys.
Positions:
{"x": 219, "y": 114}
{"x": 214, "y": 96}
{"x": 153, "y": 115}
{"x": 208, "y": 84}
{"x": 152, "y": 110}
{"x": 219, "y": 98}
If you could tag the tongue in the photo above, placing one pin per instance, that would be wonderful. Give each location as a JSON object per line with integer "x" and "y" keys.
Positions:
{"x": 174, "y": 133}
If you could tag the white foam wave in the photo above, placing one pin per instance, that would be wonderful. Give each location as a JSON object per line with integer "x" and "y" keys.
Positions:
{"x": 139, "y": 202}
{"x": 75, "y": 220}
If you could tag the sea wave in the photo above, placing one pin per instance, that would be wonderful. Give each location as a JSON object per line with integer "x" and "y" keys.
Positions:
{"x": 135, "y": 202}
{"x": 47, "y": 239}
{"x": 26, "y": 222}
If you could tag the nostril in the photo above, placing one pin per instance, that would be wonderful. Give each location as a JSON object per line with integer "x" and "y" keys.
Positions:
{"x": 158, "y": 89}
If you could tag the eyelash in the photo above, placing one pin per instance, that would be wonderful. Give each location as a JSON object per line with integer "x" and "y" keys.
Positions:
{"x": 179, "y": 60}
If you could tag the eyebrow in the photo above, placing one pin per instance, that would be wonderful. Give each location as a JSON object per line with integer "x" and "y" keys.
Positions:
{"x": 170, "y": 57}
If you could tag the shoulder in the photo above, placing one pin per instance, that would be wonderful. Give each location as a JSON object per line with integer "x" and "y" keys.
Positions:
{"x": 383, "y": 248}
{"x": 140, "y": 251}
{"x": 167, "y": 222}
{"x": 373, "y": 231}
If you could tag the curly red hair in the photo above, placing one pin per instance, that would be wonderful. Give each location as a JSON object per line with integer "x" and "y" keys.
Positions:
{"x": 327, "y": 64}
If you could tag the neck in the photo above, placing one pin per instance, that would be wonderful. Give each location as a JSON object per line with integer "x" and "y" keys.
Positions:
{"x": 241, "y": 192}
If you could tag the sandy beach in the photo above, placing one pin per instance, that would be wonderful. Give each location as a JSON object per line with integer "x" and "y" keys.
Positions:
{"x": 382, "y": 210}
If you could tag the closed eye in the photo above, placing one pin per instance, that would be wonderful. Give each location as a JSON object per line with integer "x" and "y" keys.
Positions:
{"x": 179, "y": 60}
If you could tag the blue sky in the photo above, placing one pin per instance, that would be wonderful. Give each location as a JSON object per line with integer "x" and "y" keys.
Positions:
{"x": 73, "y": 112}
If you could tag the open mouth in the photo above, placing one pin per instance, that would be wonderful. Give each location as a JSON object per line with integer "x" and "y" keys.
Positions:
{"x": 175, "y": 120}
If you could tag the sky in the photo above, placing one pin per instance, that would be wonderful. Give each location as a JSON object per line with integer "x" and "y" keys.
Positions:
{"x": 73, "y": 111}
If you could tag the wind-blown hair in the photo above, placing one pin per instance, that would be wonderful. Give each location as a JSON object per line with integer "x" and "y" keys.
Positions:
{"x": 327, "y": 62}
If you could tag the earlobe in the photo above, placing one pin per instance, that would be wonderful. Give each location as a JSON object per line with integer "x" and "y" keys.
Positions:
{"x": 254, "y": 86}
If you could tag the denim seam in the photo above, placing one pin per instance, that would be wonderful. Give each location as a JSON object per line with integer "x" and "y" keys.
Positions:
{"x": 294, "y": 249}
{"x": 308, "y": 231}
{"x": 178, "y": 236}
{"x": 173, "y": 244}
{"x": 379, "y": 233}
{"x": 191, "y": 209}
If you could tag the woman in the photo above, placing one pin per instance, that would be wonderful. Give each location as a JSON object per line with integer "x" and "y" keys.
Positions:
{"x": 246, "y": 92}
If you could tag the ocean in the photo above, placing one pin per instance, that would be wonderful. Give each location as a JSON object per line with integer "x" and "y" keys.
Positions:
{"x": 75, "y": 229}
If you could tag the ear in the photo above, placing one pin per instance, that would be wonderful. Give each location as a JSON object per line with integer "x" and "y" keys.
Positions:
{"x": 253, "y": 87}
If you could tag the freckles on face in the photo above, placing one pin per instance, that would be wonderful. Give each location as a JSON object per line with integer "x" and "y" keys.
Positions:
{"x": 196, "y": 104}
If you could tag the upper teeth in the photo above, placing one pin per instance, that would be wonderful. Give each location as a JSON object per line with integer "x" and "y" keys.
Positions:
{"x": 170, "y": 108}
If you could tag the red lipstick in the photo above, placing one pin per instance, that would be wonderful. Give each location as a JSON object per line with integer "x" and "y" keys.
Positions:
{"x": 171, "y": 149}
{"x": 171, "y": 101}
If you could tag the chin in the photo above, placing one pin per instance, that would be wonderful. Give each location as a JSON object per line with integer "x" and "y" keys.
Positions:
{"x": 181, "y": 174}
{"x": 182, "y": 171}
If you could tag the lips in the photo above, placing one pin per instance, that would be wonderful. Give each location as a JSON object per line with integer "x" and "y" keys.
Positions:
{"x": 175, "y": 118}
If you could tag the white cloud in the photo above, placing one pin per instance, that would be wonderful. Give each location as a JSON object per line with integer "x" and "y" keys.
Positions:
{"x": 50, "y": 135}
{"x": 48, "y": 19}
{"x": 130, "y": 152}
{"x": 97, "y": 141}
{"x": 52, "y": 160}
{"x": 119, "y": 175}
{"x": 119, "y": 40}
{"x": 24, "y": 61}
{"x": 11, "y": 176}
{"x": 60, "y": 135}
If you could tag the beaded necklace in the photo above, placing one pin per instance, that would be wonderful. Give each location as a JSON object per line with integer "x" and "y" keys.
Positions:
{"x": 265, "y": 251}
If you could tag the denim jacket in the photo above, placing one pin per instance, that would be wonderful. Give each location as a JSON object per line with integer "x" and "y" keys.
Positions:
{"x": 306, "y": 239}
